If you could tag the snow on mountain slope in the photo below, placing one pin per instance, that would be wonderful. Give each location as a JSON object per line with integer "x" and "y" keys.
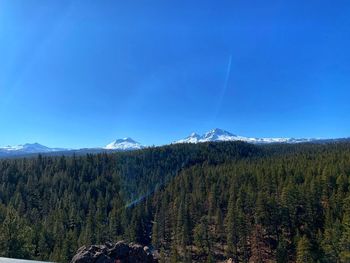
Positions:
{"x": 128, "y": 144}
{"x": 219, "y": 135}
{"x": 125, "y": 144}
{"x": 28, "y": 148}
{"x": 193, "y": 138}
{"x": 222, "y": 135}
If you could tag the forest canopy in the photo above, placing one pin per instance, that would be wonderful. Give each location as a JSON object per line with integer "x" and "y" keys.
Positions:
{"x": 205, "y": 202}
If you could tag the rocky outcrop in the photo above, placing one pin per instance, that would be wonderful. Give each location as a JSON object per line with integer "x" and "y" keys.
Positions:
{"x": 119, "y": 252}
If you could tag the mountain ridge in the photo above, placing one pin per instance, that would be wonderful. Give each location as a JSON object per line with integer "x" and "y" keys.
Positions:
{"x": 29, "y": 148}
{"x": 222, "y": 135}
{"x": 129, "y": 144}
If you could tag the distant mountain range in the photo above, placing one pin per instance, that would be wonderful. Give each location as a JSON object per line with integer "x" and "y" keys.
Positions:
{"x": 28, "y": 148}
{"x": 128, "y": 144}
{"x": 125, "y": 144}
{"x": 222, "y": 135}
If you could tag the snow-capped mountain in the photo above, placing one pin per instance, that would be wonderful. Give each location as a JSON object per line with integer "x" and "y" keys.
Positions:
{"x": 125, "y": 144}
{"x": 128, "y": 144}
{"x": 28, "y": 148}
{"x": 193, "y": 138}
{"x": 222, "y": 135}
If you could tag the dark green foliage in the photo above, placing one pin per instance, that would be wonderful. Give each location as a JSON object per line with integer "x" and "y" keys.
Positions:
{"x": 345, "y": 236}
{"x": 49, "y": 206}
{"x": 16, "y": 236}
{"x": 193, "y": 203}
{"x": 285, "y": 205}
{"x": 304, "y": 253}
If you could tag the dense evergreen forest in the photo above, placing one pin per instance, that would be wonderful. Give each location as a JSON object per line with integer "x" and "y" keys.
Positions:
{"x": 191, "y": 203}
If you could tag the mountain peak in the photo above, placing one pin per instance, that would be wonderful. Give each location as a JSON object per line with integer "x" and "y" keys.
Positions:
{"x": 222, "y": 135}
{"x": 192, "y": 138}
{"x": 218, "y": 135}
{"x": 124, "y": 144}
{"x": 35, "y": 144}
{"x": 128, "y": 139}
{"x": 217, "y": 130}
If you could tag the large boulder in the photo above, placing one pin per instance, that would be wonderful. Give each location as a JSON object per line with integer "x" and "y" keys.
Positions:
{"x": 119, "y": 252}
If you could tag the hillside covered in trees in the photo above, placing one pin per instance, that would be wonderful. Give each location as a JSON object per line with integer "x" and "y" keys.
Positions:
{"x": 191, "y": 203}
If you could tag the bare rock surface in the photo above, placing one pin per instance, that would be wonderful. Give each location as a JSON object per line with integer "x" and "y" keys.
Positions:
{"x": 119, "y": 252}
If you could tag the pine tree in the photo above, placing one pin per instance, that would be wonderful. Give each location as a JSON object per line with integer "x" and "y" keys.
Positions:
{"x": 282, "y": 252}
{"x": 345, "y": 238}
{"x": 174, "y": 255}
{"x": 69, "y": 246}
{"x": 331, "y": 241}
{"x": 304, "y": 253}
{"x": 232, "y": 230}
{"x": 155, "y": 232}
{"x": 114, "y": 221}
{"x": 88, "y": 233}
{"x": 45, "y": 244}
{"x": 15, "y": 236}
{"x": 200, "y": 237}
{"x": 101, "y": 221}
{"x": 219, "y": 225}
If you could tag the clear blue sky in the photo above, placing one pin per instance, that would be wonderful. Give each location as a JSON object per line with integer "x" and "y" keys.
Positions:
{"x": 82, "y": 73}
